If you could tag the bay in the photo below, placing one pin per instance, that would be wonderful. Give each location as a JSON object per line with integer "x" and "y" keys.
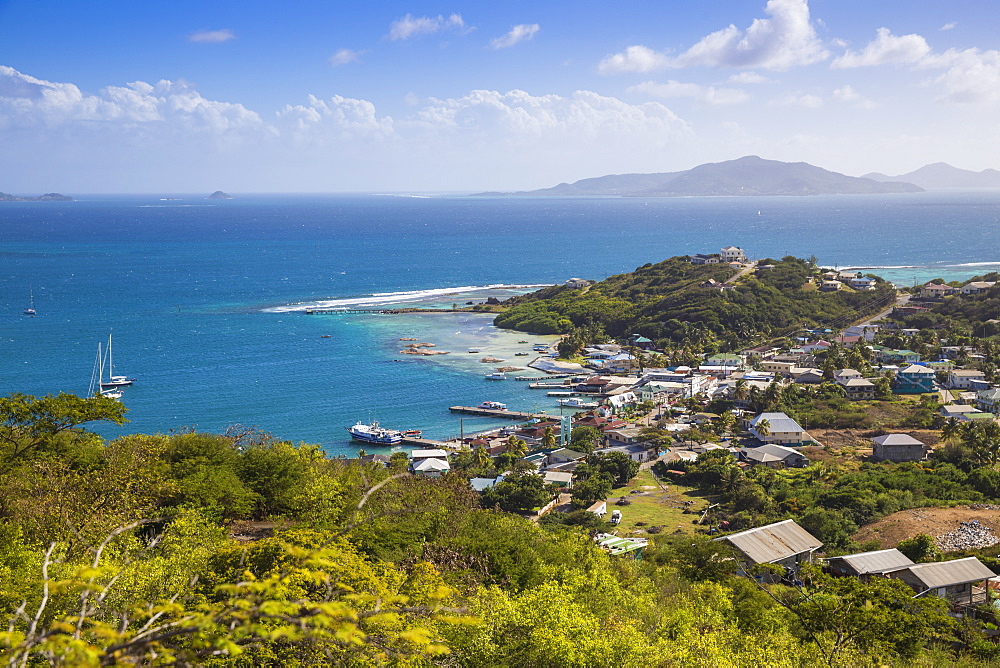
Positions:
{"x": 206, "y": 298}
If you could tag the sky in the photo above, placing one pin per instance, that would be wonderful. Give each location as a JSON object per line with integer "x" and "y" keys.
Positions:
{"x": 394, "y": 96}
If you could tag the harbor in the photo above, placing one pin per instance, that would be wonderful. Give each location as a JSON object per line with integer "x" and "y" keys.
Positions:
{"x": 516, "y": 416}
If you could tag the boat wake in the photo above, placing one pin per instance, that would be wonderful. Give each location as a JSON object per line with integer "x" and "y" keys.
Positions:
{"x": 409, "y": 297}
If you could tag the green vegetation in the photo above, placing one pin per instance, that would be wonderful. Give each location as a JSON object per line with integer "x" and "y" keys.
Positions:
{"x": 123, "y": 552}
{"x": 664, "y": 302}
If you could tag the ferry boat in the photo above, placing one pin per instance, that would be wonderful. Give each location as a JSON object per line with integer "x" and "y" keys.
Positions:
{"x": 577, "y": 402}
{"x": 493, "y": 406}
{"x": 374, "y": 433}
{"x": 496, "y": 375}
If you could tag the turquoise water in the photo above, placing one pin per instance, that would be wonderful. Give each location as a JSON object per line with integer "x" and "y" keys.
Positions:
{"x": 205, "y": 298}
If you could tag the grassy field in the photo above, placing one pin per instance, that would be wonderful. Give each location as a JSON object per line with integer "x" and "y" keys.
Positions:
{"x": 654, "y": 505}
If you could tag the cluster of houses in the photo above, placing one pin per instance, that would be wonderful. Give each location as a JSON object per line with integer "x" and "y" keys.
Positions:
{"x": 962, "y": 582}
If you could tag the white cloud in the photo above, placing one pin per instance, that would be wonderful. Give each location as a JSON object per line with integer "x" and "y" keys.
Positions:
{"x": 212, "y": 36}
{"x": 948, "y": 26}
{"x": 784, "y": 40}
{"x": 885, "y": 49}
{"x": 846, "y": 93}
{"x": 344, "y": 57}
{"x": 796, "y": 100}
{"x": 748, "y": 78}
{"x": 410, "y": 26}
{"x": 634, "y": 59}
{"x": 706, "y": 94}
{"x": 345, "y": 117}
{"x": 971, "y": 76}
{"x": 26, "y": 101}
{"x": 518, "y": 33}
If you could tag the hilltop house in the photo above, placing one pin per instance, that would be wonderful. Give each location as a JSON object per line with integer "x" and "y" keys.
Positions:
{"x": 782, "y": 543}
{"x": 733, "y": 254}
{"x": 577, "y": 283}
{"x": 867, "y": 564}
{"x": 953, "y": 580}
{"x": 705, "y": 259}
{"x": 429, "y": 463}
{"x": 937, "y": 290}
{"x": 976, "y": 287}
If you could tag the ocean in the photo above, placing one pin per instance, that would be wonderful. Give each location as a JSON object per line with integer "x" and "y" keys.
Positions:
{"x": 206, "y": 298}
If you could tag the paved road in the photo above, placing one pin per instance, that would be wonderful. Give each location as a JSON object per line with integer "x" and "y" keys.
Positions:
{"x": 901, "y": 300}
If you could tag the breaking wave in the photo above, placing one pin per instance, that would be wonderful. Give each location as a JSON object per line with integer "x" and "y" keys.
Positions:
{"x": 385, "y": 298}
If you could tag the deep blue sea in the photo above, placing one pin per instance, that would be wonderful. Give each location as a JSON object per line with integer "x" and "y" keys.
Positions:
{"x": 205, "y": 297}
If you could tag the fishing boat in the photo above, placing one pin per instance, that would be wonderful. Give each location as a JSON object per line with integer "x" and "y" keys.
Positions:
{"x": 30, "y": 311}
{"x": 113, "y": 380}
{"x": 375, "y": 433}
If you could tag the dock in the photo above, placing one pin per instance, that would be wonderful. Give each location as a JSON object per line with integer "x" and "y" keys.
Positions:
{"x": 354, "y": 311}
{"x": 428, "y": 444}
{"x": 514, "y": 416}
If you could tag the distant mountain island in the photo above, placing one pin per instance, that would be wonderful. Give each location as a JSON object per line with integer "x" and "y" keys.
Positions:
{"x": 218, "y": 194}
{"x": 750, "y": 175}
{"x": 47, "y": 197}
{"x": 943, "y": 175}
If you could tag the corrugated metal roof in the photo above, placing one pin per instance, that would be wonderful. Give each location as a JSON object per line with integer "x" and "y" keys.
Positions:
{"x": 773, "y": 542}
{"x": 880, "y": 561}
{"x": 897, "y": 439}
{"x": 778, "y": 422}
{"x": 946, "y": 573}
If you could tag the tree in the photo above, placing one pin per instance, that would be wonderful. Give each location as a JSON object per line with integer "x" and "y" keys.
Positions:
{"x": 516, "y": 446}
{"x": 548, "y": 438}
{"x": 519, "y": 492}
{"x": 763, "y": 428}
{"x": 619, "y": 466}
{"x": 592, "y": 488}
{"x": 481, "y": 458}
{"x": 584, "y": 439}
{"x": 29, "y": 424}
{"x": 920, "y": 548}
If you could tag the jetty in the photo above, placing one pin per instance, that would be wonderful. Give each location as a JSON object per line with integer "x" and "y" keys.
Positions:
{"x": 355, "y": 311}
{"x": 515, "y": 416}
{"x": 429, "y": 444}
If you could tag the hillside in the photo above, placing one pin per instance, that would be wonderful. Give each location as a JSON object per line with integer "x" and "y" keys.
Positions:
{"x": 750, "y": 175}
{"x": 47, "y": 197}
{"x": 943, "y": 175}
{"x": 665, "y": 302}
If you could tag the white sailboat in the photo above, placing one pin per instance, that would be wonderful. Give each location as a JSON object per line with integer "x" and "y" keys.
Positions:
{"x": 97, "y": 379}
{"x": 113, "y": 380}
{"x": 31, "y": 303}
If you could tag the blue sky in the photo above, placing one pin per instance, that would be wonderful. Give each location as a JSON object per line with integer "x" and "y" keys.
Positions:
{"x": 396, "y": 96}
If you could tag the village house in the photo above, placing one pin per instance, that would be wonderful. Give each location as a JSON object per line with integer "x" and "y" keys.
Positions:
{"x": 627, "y": 442}
{"x": 957, "y": 411}
{"x": 783, "y": 544}
{"x": 577, "y": 283}
{"x": 780, "y": 368}
{"x": 810, "y": 377}
{"x": 862, "y": 283}
{"x": 961, "y": 379}
{"x": 954, "y": 580}
{"x": 830, "y": 286}
{"x": 891, "y": 356}
{"x": 914, "y": 379}
{"x": 976, "y": 287}
{"x": 866, "y": 332}
{"x": 641, "y": 342}
{"x": 705, "y": 259}
{"x": 865, "y": 565}
{"x": 988, "y": 401}
{"x": 936, "y": 290}
{"x": 899, "y": 448}
{"x": 616, "y": 545}
{"x": 774, "y": 456}
{"x": 561, "y": 479}
{"x": 781, "y": 430}
{"x": 858, "y": 389}
{"x": 815, "y": 346}
{"x": 429, "y": 463}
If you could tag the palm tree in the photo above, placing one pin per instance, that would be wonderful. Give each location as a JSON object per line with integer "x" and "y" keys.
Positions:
{"x": 516, "y": 446}
{"x": 481, "y": 458}
{"x": 952, "y": 430}
{"x": 548, "y": 437}
{"x": 741, "y": 391}
{"x": 763, "y": 428}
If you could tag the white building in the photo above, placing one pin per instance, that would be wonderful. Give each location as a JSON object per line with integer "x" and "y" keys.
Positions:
{"x": 733, "y": 254}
